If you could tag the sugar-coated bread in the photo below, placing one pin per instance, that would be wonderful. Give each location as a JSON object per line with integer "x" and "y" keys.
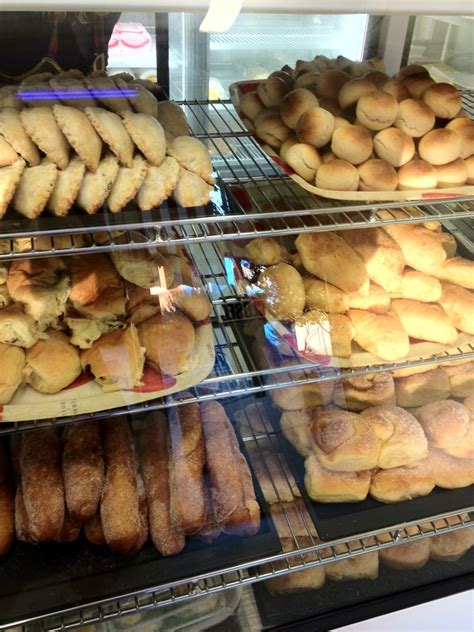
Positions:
{"x": 12, "y": 363}
{"x": 461, "y": 379}
{"x": 406, "y": 556}
{"x": 421, "y": 248}
{"x": 394, "y": 146}
{"x": 282, "y": 291}
{"x": 417, "y": 175}
{"x": 458, "y": 271}
{"x": 377, "y": 110}
{"x": 330, "y": 258}
{"x": 444, "y": 99}
{"x": 396, "y": 89}
{"x": 458, "y": 303}
{"x": 296, "y": 428}
{"x": 353, "y": 90}
{"x": 272, "y": 130}
{"x": 425, "y": 321}
{"x": 304, "y": 160}
{"x": 352, "y": 143}
{"x": 377, "y": 175}
{"x": 380, "y": 334}
{"x": 296, "y": 103}
{"x": 450, "y": 472}
{"x": 364, "y": 391}
{"x": 271, "y": 91}
{"x": 420, "y": 286}
{"x": 440, "y": 146}
{"x": 315, "y": 127}
{"x": 414, "y": 118}
{"x": 449, "y": 427}
{"x": 330, "y": 82}
{"x": 452, "y": 174}
{"x": 17, "y": 328}
{"x": 449, "y": 547}
{"x": 250, "y": 105}
{"x": 422, "y": 388}
{"x": 324, "y": 296}
{"x": 337, "y": 175}
{"x": 327, "y": 486}
{"x": 417, "y": 84}
{"x": 402, "y": 483}
{"x": 377, "y": 300}
{"x": 301, "y": 396}
{"x": 52, "y": 363}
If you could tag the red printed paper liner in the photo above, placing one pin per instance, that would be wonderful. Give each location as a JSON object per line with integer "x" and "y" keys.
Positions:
{"x": 237, "y": 89}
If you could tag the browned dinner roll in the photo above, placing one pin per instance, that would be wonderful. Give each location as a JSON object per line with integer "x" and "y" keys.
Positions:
{"x": 328, "y": 155}
{"x": 315, "y": 127}
{"x": 272, "y": 131}
{"x": 265, "y": 251}
{"x": 466, "y": 134}
{"x": 304, "y": 160}
{"x": 377, "y": 110}
{"x": 412, "y": 69}
{"x": 377, "y": 77}
{"x": 271, "y": 91}
{"x": 457, "y": 124}
{"x": 343, "y": 62}
{"x": 440, "y": 146}
{"x": 417, "y": 174}
{"x": 417, "y": 84}
{"x": 353, "y": 90}
{"x": 331, "y": 105}
{"x": 307, "y": 80}
{"x": 339, "y": 121}
{"x": 352, "y": 143}
{"x": 377, "y": 175}
{"x": 453, "y": 174}
{"x": 394, "y": 146}
{"x": 396, "y": 89}
{"x": 286, "y": 146}
{"x": 444, "y": 99}
{"x": 337, "y": 175}
{"x": 330, "y": 82}
{"x": 359, "y": 69}
{"x": 285, "y": 76}
{"x": 296, "y": 103}
{"x": 250, "y": 105}
{"x": 282, "y": 291}
{"x": 414, "y": 118}
{"x": 266, "y": 113}
{"x": 470, "y": 169}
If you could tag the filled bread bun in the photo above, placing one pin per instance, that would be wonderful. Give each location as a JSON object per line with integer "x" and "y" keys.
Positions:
{"x": 17, "y": 328}
{"x": 425, "y": 321}
{"x": 448, "y": 426}
{"x": 169, "y": 341}
{"x": 364, "y": 391}
{"x": 52, "y": 363}
{"x": 353, "y": 90}
{"x": 417, "y": 175}
{"x": 417, "y": 84}
{"x": 250, "y": 105}
{"x": 458, "y": 271}
{"x": 330, "y": 82}
{"x": 380, "y": 334}
{"x": 440, "y": 146}
{"x": 301, "y": 396}
{"x": 420, "y": 286}
{"x": 414, "y": 118}
{"x": 422, "y": 388}
{"x": 394, "y": 146}
{"x": 282, "y": 291}
{"x": 396, "y": 89}
{"x": 272, "y": 130}
{"x": 315, "y": 127}
{"x": 422, "y": 249}
{"x": 406, "y": 556}
{"x": 304, "y": 160}
{"x": 85, "y": 331}
{"x": 265, "y": 251}
{"x": 461, "y": 379}
{"x": 452, "y": 174}
{"x": 377, "y": 300}
{"x": 377, "y": 110}
{"x": 271, "y": 91}
{"x": 444, "y": 99}
{"x": 352, "y": 143}
{"x": 327, "y": 486}
{"x": 330, "y": 258}
{"x": 402, "y": 483}
{"x": 337, "y": 175}
{"x": 296, "y": 103}
{"x": 377, "y": 175}
{"x": 458, "y": 303}
{"x": 12, "y": 364}
{"x": 449, "y": 547}
{"x": 324, "y": 296}
{"x": 450, "y": 472}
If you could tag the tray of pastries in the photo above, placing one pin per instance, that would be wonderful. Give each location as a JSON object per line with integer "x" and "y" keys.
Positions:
{"x": 348, "y": 131}
{"x": 91, "y": 332}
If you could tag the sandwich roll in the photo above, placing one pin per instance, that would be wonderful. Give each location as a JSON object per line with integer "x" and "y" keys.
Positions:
{"x": 452, "y": 174}
{"x": 422, "y": 388}
{"x": 380, "y": 334}
{"x": 414, "y": 118}
{"x": 377, "y": 110}
{"x": 352, "y": 143}
{"x": 337, "y": 175}
{"x": 315, "y": 127}
{"x": 52, "y": 364}
{"x": 444, "y": 99}
{"x": 440, "y": 146}
{"x": 17, "y": 328}
{"x": 377, "y": 175}
{"x": 353, "y": 90}
{"x": 417, "y": 175}
{"x": 425, "y": 321}
{"x": 296, "y": 103}
{"x": 458, "y": 303}
{"x": 327, "y": 486}
{"x": 394, "y": 146}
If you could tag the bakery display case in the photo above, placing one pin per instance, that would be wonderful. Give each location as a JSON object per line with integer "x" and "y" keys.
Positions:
{"x": 236, "y": 330}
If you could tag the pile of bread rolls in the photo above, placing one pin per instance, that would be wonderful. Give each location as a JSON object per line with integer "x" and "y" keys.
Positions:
{"x": 348, "y": 126}
{"x": 166, "y": 478}
{"x": 381, "y": 288}
{"x": 107, "y": 314}
{"x": 69, "y": 140}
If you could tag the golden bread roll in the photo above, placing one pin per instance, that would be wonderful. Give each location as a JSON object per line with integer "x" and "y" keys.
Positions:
{"x": 192, "y": 301}
{"x": 17, "y": 328}
{"x": 340, "y": 122}
{"x": 327, "y": 486}
{"x": 329, "y": 257}
{"x": 332, "y": 106}
{"x": 337, "y": 175}
{"x": 421, "y": 248}
{"x": 425, "y": 321}
{"x": 145, "y": 268}
{"x": 448, "y": 426}
{"x": 52, "y": 364}
{"x": 458, "y": 303}
{"x": 377, "y": 110}
{"x": 402, "y": 483}
{"x": 250, "y": 105}
{"x": 296, "y": 428}
{"x": 396, "y": 89}
{"x": 324, "y": 296}
{"x": 450, "y": 472}
{"x": 364, "y": 391}
{"x": 414, "y": 118}
{"x": 330, "y": 82}
{"x": 352, "y": 143}
{"x": 458, "y": 271}
{"x": 417, "y": 84}
{"x": 377, "y": 300}
{"x": 301, "y": 396}
{"x": 380, "y": 334}
{"x": 272, "y": 130}
{"x": 470, "y": 170}
{"x": 307, "y": 80}
{"x": 304, "y": 160}
{"x": 315, "y": 127}
{"x": 417, "y": 174}
{"x": 359, "y": 68}
{"x": 402, "y": 440}
{"x": 282, "y": 291}
{"x": 12, "y": 363}
{"x": 296, "y": 103}
{"x": 440, "y": 146}
{"x": 285, "y": 76}
{"x": 382, "y": 256}
{"x": 457, "y": 124}
{"x": 422, "y": 388}
{"x": 461, "y": 379}
{"x": 394, "y": 146}
{"x": 444, "y": 99}
{"x": 353, "y": 90}
{"x": 411, "y": 69}
{"x": 271, "y": 91}
{"x": 287, "y": 145}
{"x": 341, "y": 333}
{"x": 466, "y": 135}
{"x": 377, "y": 77}
{"x": 265, "y": 251}
{"x": 377, "y": 175}
{"x": 406, "y": 556}
{"x": 365, "y": 566}
{"x": 419, "y": 286}
{"x": 85, "y": 331}
{"x": 449, "y": 547}
{"x": 452, "y": 174}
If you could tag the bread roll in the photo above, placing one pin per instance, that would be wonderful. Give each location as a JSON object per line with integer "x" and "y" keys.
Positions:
{"x": 52, "y": 364}
{"x": 352, "y": 143}
{"x": 457, "y": 270}
{"x": 304, "y": 160}
{"x": 17, "y": 328}
{"x": 425, "y": 321}
{"x": 282, "y": 291}
{"x": 448, "y": 242}
{"x": 359, "y": 68}
{"x": 265, "y": 114}
{"x": 448, "y": 426}
{"x": 308, "y": 80}
{"x": 402, "y": 483}
{"x": 377, "y": 175}
{"x": 440, "y": 146}
{"x": 417, "y": 84}
{"x": 396, "y": 89}
{"x": 420, "y": 247}
{"x": 296, "y": 428}
{"x": 315, "y": 127}
{"x": 326, "y": 486}
{"x": 353, "y": 90}
{"x": 449, "y": 547}
{"x": 444, "y": 99}
{"x": 12, "y": 363}
{"x": 422, "y": 388}
{"x": 272, "y": 131}
{"x": 419, "y": 286}
{"x": 329, "y": 257}
{"x": 461, "y": 379}
{"x": 466, "y": 135}
{"x": 406, "y": 556}
{"x": 380, "y": 334}
{"x": 414, "y": 118}
{"x": 331, "y": 105}
{"x": 377, "y": 110}
{"x": 265, "y": 251}
{"x": 470, "y": 170}
{"x": 296, "y": 103}
{"x": 394, "y": 146}
{"x": 364, "y": 391}
{"x": 377, "y": 300}
{"x": 377, "y": 77}
{"x": 458, "y": 303}
{"x": 324, "y": 296}
{"x": 449, "y": 472}
{"x": 337, "y": 175}
{"x": 301, "y": 396}
{"x": 452, "y": 174}
{"x": 250, "y": 105}
{"x": 286, "y": 146}
{"x": 330, "y": 82}
{"x": 169, "y": 341}
{"x": 411, "y": 69}
{"x": 417, "y": 175}
{"x": 364, "y": 566}
{"x": 271, "y": 91}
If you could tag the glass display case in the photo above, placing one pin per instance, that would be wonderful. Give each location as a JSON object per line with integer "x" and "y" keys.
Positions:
{"x": 236, "y": 327}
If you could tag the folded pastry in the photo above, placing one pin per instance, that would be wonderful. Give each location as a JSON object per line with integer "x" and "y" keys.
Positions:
{"x": 17, "y": 328}
{"x": 458, "y": 271}
{"x": 449, "y": 427}
{"x": 13, "y": 132}
{"x": 8, "y": 155}
{"x": 422, "y": 388}
{"x": 461, "y": 379}
{"x": 110, "y": 128}
{"x": 402, "y": 483}
{"x": 41, "y": 126}
{"x": 380, "y": 334}
{"x": 85, "y": 331}
{"x": 364, "y": 391}
{"x": 425, "y": 321}
{"x": 421, "y": 248}
{"x": 127, "y": 184}
{"x": 9, "y": 179}
{"x": 66, "y": 188}
{"x": 458, "y": 303}
{"x": 377, "y": 300}
{"x": 12, "y": 363}
{"x": 80, "y": 134}
{"x": 116, "y": 360}
{"x": 148, "y": 135}
{"x": 72, "y": 91}
{"x": 158, "y": 185}
{"x": 9, "y": 98}
{"x": 146, "y": 268}
{"x": 450, "y": 472}
{"x": 192, "y": 155}
{"x": 95, "y": 187}
{"x": 327, "y": 486}
{"x": 52, "y": 363}
{"x": 141, "y": 99}
{"x": 324, "y": 296}
{"x": 191, "y": 190}
{"x": 101, "y": 86}
{"x": 419, "y": 286}
{"x": 34, "y": 188}
{"x": 173, "y": 119}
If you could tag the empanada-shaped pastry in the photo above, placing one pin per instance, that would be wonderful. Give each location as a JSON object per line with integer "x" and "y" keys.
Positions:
{"x": 127, "y": 184}
{"x": 96, "y": 186}
{"x": 37, "y": 76}
{"x": 193, "y": 156}
{"x": 8, "y": 98}
{"x": 112, "y": 131}
{"x": 104, "y": 90}
{"x": 140, "y": 98}
{"x": 72, "y": 91}
{"x": 12, "y": 130}
{"x": 80, "y": 133}
{"x": 173, "y": 119}
{"x": 9, "y": 179}
{"x": 36, "y": 93}
{"x": 42, "y": 128}
{"x": 148, "y": 135}
{"x": 191, "y": 190}
{"x": 74, "y": 73}
{"x": 7, "y": 154}
{"x": 35, "y": 186}
{"x": 66, "y": 188}
{"x": 158, "y": 184}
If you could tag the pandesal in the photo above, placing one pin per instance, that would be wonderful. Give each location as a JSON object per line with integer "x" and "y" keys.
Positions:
{"x": 352, "y": 143}
{"x": 377, "y": 77}
{"x": 444, "y": 100}
{"x": 315, "y": 127}
{"x": 414, "y": 118}
{"x": 330, "y": 82}
{"x": 440, "y": 146}
{"x": 377, "y": 110}
{"x": 296, "y": 103}
{"x": 272, "y": 131}
{"x": 285, "y": 76}
{"x": 396, "y": 89}
{"x": 417, "y": 84}
{"x": 304, "y": 160}
{"x": 271, "y": 91}
{"x": 417, "y": 175}
{"x": 331, "y": 105}
{"x": 250, "y": 105}
{"x": 353, "y": 90}
{"x": 412, "y": 69}
{"x": 337, "y": 175}
{"x": 452, "y": 174}
{"x": 394, "y": 146}
{"x": 377, "y": 175}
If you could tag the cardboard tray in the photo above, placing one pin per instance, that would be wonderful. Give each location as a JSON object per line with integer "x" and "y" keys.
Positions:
{"x": 237, "y": 89}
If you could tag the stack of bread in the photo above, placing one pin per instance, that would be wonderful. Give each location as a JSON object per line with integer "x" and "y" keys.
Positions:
{"x": 60, "y": 316}
{"x": 110, "y": 142}
{"x": 167, "y": 478}
{"x": 348, "y": 126}
{"x": 380, "y": 288}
